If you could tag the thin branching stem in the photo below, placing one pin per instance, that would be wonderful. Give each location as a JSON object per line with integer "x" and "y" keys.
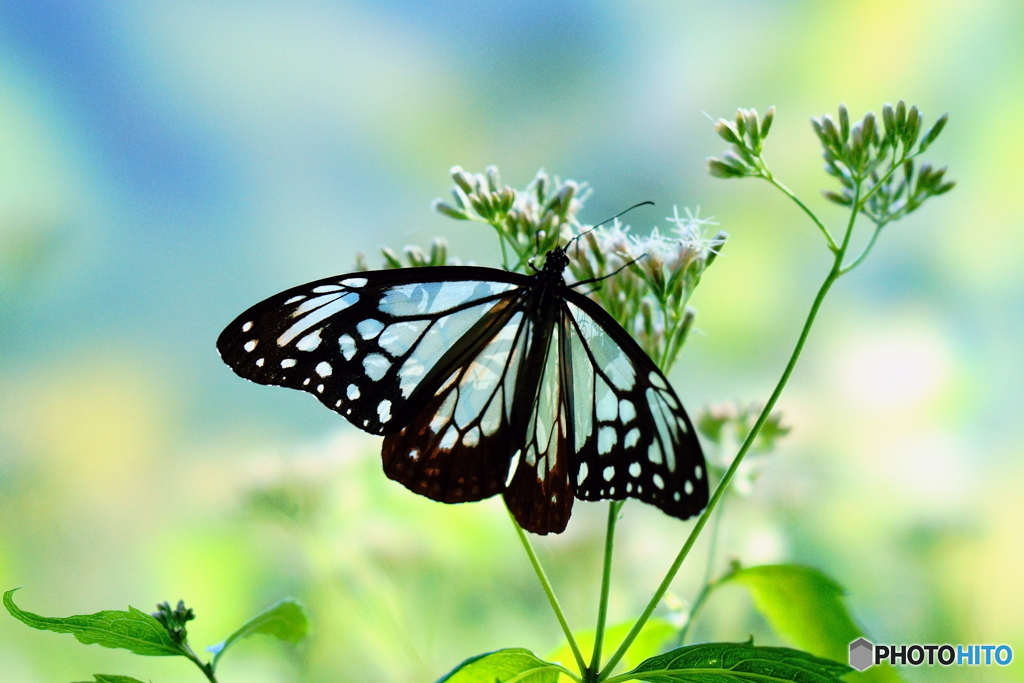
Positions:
{"x": 207, "y": 669}
{"x": 708, "y": 583}
{"x": 606, "y": 579}
{"x": 767, "y": 175}
{"x": 867, "y": 249}
{"x": 550, "y": 592}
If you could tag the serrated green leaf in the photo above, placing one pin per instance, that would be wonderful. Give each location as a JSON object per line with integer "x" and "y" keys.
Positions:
{"x": 109, "y": 678}
{"x": 132, "y": 630}
{"x": 513, "y": 665}
{"x": 807, "y": 609}
{"x": 736, "y": 662}
{"x": 655, "y": 633}
{"x": 285, "y": 620}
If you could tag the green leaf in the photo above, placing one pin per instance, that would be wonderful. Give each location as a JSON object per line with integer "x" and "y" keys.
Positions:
{"x": 722, "y": 662}
{"x": 513, "y": 665}
{"x": 807, "y": 609}
{"x": 132, "y": 630}
{"x": 285, "y": 620}
{"x": 655, "y": 633}
{"x": 108, "y": 678}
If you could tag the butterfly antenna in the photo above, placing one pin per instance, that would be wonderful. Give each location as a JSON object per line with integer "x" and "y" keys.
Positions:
{"x": 608, "y": 220}
{"x": 615, "y": 272}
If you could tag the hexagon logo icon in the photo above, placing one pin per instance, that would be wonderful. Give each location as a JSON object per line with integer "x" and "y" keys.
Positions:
{"x": 862, "y": 654}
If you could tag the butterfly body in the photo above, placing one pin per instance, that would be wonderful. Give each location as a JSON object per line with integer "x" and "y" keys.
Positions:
{"x": 482, "y": 381}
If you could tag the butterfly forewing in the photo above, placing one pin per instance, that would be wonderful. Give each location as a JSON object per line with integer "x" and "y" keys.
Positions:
{"x": 631, "y": 435}
{"x": 363, "y": 343}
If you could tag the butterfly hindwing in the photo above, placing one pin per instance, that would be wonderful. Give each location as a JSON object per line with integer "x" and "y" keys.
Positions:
{"x": 363, "y": 343}
{"x": 458, "y": 448}
{"x": 632, "y": 437}
{"x": 539, "y": 493}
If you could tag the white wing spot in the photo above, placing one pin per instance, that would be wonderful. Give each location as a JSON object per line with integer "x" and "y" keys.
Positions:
{"x": 472, "y": 437}
{"x": 514, "y": 465}
{"x": 259, "y": 362}
{"x": 606, "y": 438}
{"x": 354, "y": 282}
{"x": 656, "y": 380}
{"x": 326, "y": 289}
{"x": 676, "y": 496}
{"x": 288, "y": 363}
{"x": 609, "y": 473}
{"x": 352, "y": 392}
{"x": 309, "y": 342}
{"x": 315, "y": 310}
{"x": 611, "y": 491}
{"x": 414, "y": 454}
{"x": 324, "y": 369}
{"x": 347, "y": 345}
{"x": 292, "y": 300}
{"x": 384, "y": 410}
{"x": 632, "y": 438}
{"x": 376, "y": 366}
{"x": 634, "y": 470}
{"x": 654, "y": 453}
{"x": 337, "y": 404}
{"x": 449, "y": 439}
{"x": 398, "y": 338}
{"x": 627, "y": 411}
{"x": 305, "y": 382}
{"x": 319, "y": 388}
{"x": 658, "y": 481}
{"x": 444, "y": 412}
{"x": 582, "y": 475}
{"x": 369, "y": 328}
{"x": 605, "y": 408}
{"x": 250, "y": 346}
{"x": 246, "y": 327}
{"x": 698, "y": 472}
{"x": 688, "y": 487}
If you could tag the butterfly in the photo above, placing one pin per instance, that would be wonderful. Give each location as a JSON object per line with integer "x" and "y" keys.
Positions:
{"x": 483, "y": 381}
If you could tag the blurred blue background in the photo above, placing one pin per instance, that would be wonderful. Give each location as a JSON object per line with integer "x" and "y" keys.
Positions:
{"x": 165, "y": 165}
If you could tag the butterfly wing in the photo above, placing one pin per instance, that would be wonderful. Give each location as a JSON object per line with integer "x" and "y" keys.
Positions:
{"x": 367, "y": 344}
{"x": 631, "y": 436}
{"x": 459, "y": 446}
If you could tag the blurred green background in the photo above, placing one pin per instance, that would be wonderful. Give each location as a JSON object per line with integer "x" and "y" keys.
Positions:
{"x": 164, "y": 165}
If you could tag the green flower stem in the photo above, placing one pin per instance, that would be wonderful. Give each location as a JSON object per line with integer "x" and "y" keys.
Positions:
{"x": 834, "y": 273}
{"x": 549, "y": 591}
{"x": 867, "y": 249}
{"x": 767, "y": 175}
{"x": 709, "y": 584}
{"x": 606, "y": 578}
{"x": 207, "y": 669}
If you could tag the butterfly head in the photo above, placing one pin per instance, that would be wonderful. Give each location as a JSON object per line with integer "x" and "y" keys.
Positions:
{"x": 555, "y": 261}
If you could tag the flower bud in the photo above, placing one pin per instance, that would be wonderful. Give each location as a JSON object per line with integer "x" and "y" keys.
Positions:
{"x": 913, "y": 127}
{"x": 462, "y": 179}
{"x": 493, "y": 178}
{"x": 448, "y": 210}
{"x": 719, "y": 169}
{"x": 766, "y": 125}
{"x": 901, "y": 117}
{"x": 844, "y": 123}
{"x": 933, "y": 132}
{"x": 726, "y": 132}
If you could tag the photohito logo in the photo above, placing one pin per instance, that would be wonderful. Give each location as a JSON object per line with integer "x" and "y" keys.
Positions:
{"x": 864, "y": 653}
